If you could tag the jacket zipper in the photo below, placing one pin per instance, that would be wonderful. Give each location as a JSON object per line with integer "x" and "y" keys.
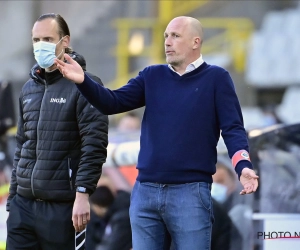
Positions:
{"x": 37, "y": 142}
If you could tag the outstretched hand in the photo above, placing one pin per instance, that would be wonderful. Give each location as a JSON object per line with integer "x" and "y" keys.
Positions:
{"x": 249, "y": 180}
{"x": 70, "y": 70}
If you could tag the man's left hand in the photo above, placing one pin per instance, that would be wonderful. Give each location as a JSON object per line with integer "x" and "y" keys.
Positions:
{"x": 249, "y": 181}
{"x": 81, "y": 211}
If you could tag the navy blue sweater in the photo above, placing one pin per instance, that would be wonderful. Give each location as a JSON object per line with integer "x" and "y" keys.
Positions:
{"x": 183, "y": 118}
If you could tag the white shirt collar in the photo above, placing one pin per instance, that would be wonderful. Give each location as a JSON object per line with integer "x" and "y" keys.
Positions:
{"x": 192, "y": 66}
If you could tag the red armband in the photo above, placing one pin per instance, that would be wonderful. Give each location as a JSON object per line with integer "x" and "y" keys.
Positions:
{"x": 240, "y": 156}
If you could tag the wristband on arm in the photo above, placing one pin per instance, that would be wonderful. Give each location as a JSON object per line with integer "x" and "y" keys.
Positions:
{"x": 240, "y": 155}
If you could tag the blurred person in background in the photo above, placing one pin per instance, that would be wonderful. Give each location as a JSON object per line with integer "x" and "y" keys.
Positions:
{"x": 225, "y": 193}
{"x": 5, "y": 169}
{"x": 187, "y": 104}
{"x": 61, "y": 146}
{"x": 7, "y": 108}
{"x": 225, "y": 183}
{"x": 130, "y": 122}
{"x": 221, "y": 229}
{"x": 128, "y": 128}
{"x": 270, "y": 116}
{"x": 7, "y": 121}
{"x": 109, "y": 227}
{"x": 226, "y": 187}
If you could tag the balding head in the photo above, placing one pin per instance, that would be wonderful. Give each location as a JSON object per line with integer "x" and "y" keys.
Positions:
{"x": 192, "y": 25}
{"x": 183, "y": 39}
{"x": 196, "y": 27}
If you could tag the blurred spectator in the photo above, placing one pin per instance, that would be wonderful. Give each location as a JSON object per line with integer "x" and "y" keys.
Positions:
{"x": 7, "y": 120}
{"x": 225, "y": 183}
{"x": 130, "y": 122}
{"x": 225, "y": 236}
{"x": 5, "y": 169}
{"x": 94, "y": 231}
{"x": 7, "y": 110}
{"x": 113, "y": 209}
{"x": 225, "y": 192}
{"x": 109, "y": 227}
{"x": 128, "y": 128}
{"x": 270, "y": 116}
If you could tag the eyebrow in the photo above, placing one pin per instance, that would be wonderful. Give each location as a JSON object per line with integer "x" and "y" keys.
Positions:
{"x": 42, "y": 38}
{"x": 171, "y": 33}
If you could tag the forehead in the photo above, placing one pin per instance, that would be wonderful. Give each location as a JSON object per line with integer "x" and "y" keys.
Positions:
{"x": 177, "y": 25}
{"x": 45, "y": 28}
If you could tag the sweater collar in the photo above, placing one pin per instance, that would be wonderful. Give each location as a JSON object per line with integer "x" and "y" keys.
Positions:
{"x": 192, "y": 66}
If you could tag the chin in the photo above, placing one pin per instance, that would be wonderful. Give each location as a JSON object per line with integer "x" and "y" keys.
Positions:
{"x": 173, "y": 61}
{"x": 170, "y": 61}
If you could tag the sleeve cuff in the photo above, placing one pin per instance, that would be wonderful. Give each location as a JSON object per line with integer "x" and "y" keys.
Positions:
{"x": 241, "y": 165}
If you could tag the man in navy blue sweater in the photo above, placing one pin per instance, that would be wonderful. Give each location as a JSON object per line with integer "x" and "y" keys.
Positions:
{"x": 188, "y": 104}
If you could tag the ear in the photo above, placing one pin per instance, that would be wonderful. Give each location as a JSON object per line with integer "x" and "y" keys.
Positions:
{"x": 66, "y": 41}
{"x": 197, "y": 42}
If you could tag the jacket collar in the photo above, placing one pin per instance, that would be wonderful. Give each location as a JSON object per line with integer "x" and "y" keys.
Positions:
{"x": 39, "y": 75}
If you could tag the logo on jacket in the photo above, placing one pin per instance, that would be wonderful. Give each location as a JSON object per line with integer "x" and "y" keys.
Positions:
{"x": 58, "y": 100}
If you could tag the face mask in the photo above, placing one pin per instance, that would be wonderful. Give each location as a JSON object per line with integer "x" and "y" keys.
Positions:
{"x": 219, "y": 192}
{"x": 44, "y": 53}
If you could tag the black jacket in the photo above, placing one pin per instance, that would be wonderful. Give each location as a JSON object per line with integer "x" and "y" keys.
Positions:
{"x": 61, "y": 139}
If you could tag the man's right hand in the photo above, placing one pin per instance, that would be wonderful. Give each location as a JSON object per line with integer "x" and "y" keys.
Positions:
{"x": 70, "y": 70}
{"x": 81, "y": 212}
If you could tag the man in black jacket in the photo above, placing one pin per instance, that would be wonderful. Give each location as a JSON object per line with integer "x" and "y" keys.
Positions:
{"x": 61, "y": 146}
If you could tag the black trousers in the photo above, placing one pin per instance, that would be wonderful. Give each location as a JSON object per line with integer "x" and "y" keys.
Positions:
{"x": 41, "y": 225}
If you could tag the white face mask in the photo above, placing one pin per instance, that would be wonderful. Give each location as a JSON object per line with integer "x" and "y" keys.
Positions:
{"x": 44, "y": 53}
{"x": 219, "y": 192}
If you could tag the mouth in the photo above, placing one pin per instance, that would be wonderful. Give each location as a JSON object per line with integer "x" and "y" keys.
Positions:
{"x": 168, "y": 52}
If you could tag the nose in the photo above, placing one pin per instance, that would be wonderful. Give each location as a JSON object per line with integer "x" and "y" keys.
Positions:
{"x": 167, "y": 42}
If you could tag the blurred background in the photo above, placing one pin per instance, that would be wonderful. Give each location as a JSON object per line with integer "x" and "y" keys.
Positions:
{"x": 256, "y": 41}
